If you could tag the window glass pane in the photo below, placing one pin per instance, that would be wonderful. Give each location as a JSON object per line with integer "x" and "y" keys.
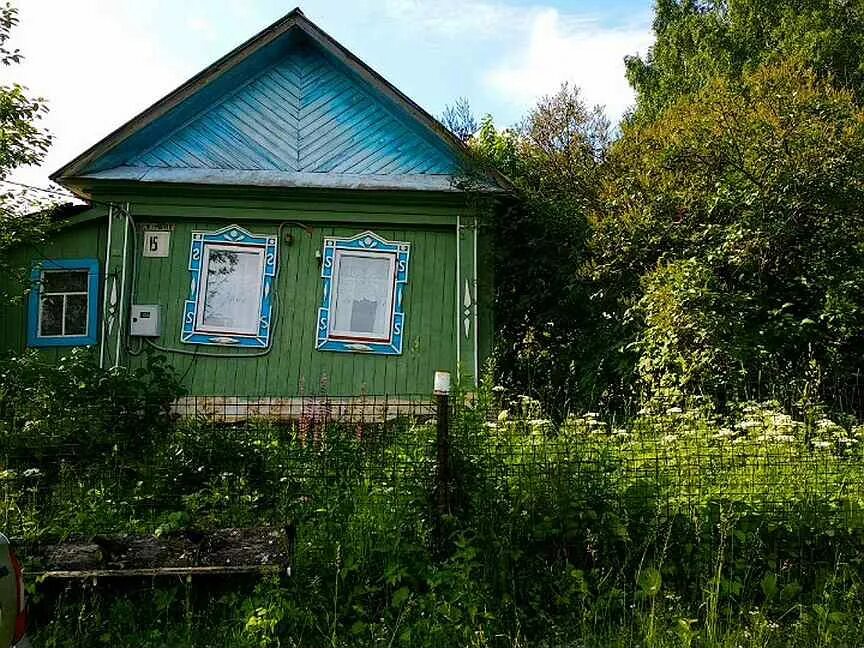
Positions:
{"x": 51, "y": 317}
{"x": 233, "y": 291}
{"x": 364, "y": 291}
{"x": 76, "y": 315}
{"x": 62, "y": 281}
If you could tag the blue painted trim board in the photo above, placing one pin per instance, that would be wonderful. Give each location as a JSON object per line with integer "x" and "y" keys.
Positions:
{"x": 33, "y": 337}
{"x": 369, "y": 242}
{"x": 303, "y": 113}
{"x": 233, "y": 235}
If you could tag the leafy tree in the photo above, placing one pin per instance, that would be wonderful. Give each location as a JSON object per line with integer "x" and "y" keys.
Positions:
{"x": 697, "y": 40}
{"x": 756, "y": 186}
{"x": 547, "y": 333}
{"x": 22, "y": 142}
{"x": 459, "y": 119}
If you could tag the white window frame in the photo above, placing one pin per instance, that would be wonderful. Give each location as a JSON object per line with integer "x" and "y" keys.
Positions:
{"x": 65, "y": 294}
{"x": 260, "y": 252}
{"x": 336, "y": 334}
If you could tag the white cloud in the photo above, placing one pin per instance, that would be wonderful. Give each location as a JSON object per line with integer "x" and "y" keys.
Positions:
{"x": 579, "y": 51}
{"x": 458, "y": 18}
{"x": 94, "y": 65}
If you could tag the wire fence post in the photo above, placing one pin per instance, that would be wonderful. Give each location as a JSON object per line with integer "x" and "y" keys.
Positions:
{"x": 442, "y": 459}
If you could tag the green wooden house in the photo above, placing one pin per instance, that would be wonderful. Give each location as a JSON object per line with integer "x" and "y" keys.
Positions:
{"x": 283, "y": 223}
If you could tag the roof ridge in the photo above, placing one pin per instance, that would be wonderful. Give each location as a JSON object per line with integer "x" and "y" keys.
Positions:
{"x": 216, "y": 81}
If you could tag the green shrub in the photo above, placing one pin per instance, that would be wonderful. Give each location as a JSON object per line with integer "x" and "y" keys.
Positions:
{"x": 674, "y": 528}
{"x": 74, "y": 408}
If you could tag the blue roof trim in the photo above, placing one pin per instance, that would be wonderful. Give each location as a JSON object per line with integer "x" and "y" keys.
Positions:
{"x": 289, "y": 107}
{"x": 326, "y": 337}
{"x": 281, "y": 179}
{"x": 269, "y": 54}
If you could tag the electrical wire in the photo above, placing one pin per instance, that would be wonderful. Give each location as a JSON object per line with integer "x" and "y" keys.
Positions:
{"x": 58, "y": 192}
{"x": 65, "y": 194}
{"x": 197, "y": 353}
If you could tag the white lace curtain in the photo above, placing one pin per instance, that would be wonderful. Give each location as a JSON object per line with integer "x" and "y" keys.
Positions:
{"x": 233, "y": 291}
{"x": 364, "y": 292}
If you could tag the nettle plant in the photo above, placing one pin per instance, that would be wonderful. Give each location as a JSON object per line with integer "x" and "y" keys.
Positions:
{"x": 75, "y": 408}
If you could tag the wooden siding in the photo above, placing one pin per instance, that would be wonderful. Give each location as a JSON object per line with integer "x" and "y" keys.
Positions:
{"x": 403, "y": 208}
{"x": 293, "y": 366}
{"x": 435, "y": 335}
{"x": 78, "y": 240}
{"x": 305, "y": 113}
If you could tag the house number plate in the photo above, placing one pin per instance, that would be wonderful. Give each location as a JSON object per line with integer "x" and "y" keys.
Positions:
{"x": 156, "y": 244}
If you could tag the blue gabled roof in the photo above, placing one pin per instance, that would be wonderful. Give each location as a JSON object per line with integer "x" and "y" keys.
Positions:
{"x": 290, "y": 107}
{"x": 301, "y": 114}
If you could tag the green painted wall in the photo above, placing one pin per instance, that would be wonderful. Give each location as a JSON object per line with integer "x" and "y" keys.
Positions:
{"x": 293, "y": 366}
{"x": 74, "y": 241}
{"x": 435, "y": 314}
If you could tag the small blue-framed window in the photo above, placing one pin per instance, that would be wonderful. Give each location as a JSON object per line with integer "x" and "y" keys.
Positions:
{"x": 63, "y": 306}
{"x": 364, "y": 282}
{"x": 231, "y": 292}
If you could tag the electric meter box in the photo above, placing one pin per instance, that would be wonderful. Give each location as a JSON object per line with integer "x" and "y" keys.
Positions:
{"x": 145, "y": 320}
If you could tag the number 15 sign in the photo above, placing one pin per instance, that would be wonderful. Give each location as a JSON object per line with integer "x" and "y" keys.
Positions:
{"x": 156, "y": 243}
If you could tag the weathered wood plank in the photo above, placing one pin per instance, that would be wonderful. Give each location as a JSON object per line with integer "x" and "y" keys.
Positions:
{"x": 226, "y": 551}
{"x": 157, "y": 572}
{"x": 303, "y": 113}
{"x": 248, "y": 173}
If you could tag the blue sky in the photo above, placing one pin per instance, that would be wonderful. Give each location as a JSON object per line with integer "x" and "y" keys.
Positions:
{"x": 98, "y": 62}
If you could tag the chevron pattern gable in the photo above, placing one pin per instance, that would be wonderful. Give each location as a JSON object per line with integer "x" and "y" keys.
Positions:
{"x": 302, "y": 114}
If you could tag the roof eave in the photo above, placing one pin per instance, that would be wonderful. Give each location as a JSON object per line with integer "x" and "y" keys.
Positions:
{"x": 73, "y": 168}
{"x": 72, "y": 171}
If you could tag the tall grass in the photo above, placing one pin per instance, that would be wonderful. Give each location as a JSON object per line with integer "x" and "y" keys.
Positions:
{"x": 674, "y": 528}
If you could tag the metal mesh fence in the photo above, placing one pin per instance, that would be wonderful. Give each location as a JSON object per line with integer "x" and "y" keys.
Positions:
{"x": 235, "y": 462}
{"x": 221, "y": 462}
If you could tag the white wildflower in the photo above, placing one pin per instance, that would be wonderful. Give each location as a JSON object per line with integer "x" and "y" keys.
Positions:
{"x": 748, "y": 424}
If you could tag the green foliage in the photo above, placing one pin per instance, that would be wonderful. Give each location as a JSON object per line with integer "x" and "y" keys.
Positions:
{"x": 698, "y": 41}
{"x": 685, "y": 343}
{"x": 544, "y": 311}
{"x": 677, "y": 528}
{"x": 713, "y": 248}
{"x": 22, "y": 142}
{"x": 47, "y": 407}
{"x": 740, "y": 205}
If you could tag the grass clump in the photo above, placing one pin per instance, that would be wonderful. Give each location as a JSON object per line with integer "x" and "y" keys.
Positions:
{"x": 676, "y": 527}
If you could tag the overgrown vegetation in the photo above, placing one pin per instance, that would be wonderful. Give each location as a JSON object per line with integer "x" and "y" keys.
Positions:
{"x": 672, "y": 528}
{"x": 712, "y": 248}
{"x": 22, "y": 142}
